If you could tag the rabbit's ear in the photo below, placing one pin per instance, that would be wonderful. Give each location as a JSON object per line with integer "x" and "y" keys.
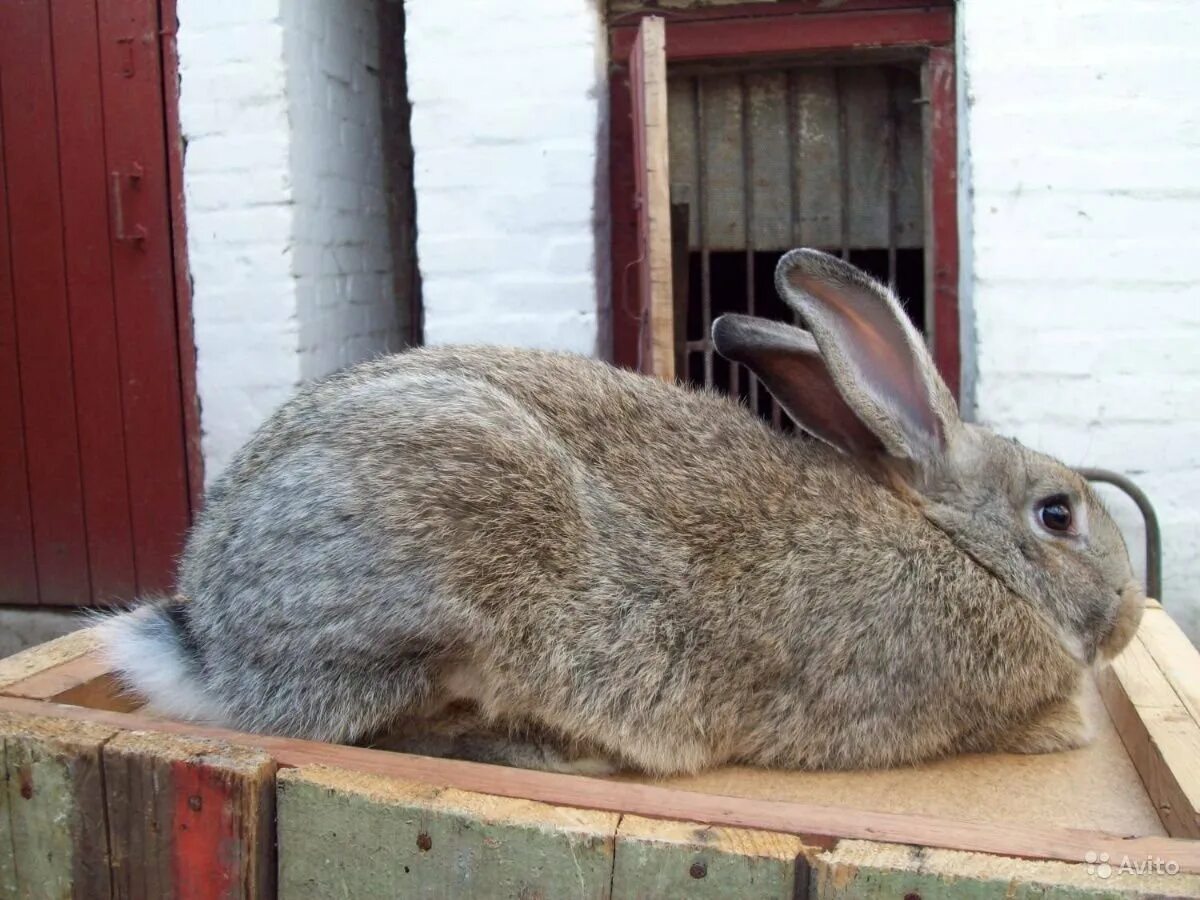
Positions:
{"x": 875, "y": 357}
{"x": 788, "y": 363}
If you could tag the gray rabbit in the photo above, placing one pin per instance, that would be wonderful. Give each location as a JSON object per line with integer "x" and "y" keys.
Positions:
{"x": 625, "y": 573}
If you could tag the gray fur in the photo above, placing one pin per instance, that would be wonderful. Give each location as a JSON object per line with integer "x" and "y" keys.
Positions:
{"x": 643, "y": 573}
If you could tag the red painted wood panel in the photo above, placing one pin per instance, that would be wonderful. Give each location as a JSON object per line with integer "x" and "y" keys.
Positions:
{"x": 18, "y": 573}
{"x": 93, "y": 464}
{"x": 97, "y": 366}
{"x": 147, "y": 332}
{"x": 39, "y": 288}
{"x": 168, "y": 28}
{"x": 941, "y": 245}
{"x": 626, "y": 293}
{"x": 764, "y": 36}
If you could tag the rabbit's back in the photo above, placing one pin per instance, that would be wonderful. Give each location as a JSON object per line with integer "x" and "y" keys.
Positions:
{"x": 439, "y": 506}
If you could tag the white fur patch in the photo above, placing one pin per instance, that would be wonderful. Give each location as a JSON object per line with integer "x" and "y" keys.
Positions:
{"x": 151, "y": 665}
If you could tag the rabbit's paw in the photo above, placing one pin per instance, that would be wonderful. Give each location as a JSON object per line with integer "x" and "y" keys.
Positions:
{"x": 1060, "y": 727}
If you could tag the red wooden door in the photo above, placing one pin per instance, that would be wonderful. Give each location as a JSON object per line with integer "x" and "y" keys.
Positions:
{"x": 93, "y": 476}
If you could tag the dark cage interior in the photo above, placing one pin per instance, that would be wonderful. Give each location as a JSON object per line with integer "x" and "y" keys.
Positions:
{"x": 763, "y": 160}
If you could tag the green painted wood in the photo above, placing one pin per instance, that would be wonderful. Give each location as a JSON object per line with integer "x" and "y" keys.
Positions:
{"x": 347, "y": 835}
{"x": 54, "y": 810}
{"x": 676, "y": 859}
{"x": 8, "y": 871}
{"x": 861, "y": 870}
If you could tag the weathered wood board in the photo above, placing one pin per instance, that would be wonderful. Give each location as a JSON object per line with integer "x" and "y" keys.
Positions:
{"x": 101, "y": 802}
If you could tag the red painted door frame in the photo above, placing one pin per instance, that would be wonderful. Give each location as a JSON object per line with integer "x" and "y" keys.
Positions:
{"x": 793, "y": 28}
{"x": 99, "y": 462}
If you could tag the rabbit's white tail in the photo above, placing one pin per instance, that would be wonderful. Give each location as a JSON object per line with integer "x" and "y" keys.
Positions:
{"x": 147, "y": 652}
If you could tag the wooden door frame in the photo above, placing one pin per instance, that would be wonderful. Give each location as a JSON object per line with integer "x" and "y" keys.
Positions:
{"x": 786, "y": 29}
{"x": 188, "y": 395}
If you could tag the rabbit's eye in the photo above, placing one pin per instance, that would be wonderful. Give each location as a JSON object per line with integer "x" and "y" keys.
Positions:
{"x": 1055, "y": 513}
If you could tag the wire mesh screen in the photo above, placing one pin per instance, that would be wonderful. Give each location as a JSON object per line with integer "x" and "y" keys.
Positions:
{"x": 763, "y": 161}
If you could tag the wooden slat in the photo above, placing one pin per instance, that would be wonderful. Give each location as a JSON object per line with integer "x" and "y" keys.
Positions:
{"x": 189, "y": 818}
{"x": 769, "y": 220}
{"x": 1162, "y": 738}
{"x": 27, "y": 109}
{"x": 18, "y": 572}
{"x": 941, "y": 214}
{"x": 724, "y": 165}
{"x": 169, "y": 27}
{"x": 35, "y": 660}
{"x": 342, "y": 834}
{"x": 865, "y": 106}
{"x": 818, "y": 158}
{"x": 657, "y": 858}
{"x": 681, "y": 132}
{"x": 52, "y": 817}
{"x": 89, "y": 282}
{"x": 819, "y": 825}
{"x": 749, "y": 37}
{"x": 1175, "y": 655}
{"x": 648, "y": 79}
{"x": 144, "y": 283}
{"x": 910, "y": 199}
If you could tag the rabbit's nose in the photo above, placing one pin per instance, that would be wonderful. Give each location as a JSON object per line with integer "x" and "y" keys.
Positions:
{"x": 1130, "y": 605}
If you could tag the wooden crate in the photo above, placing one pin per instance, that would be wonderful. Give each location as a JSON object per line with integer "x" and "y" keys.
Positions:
{"x": 103, "y": 800}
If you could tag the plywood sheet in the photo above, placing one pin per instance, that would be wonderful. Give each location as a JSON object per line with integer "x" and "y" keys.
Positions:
{"x": 1095, "y": 788}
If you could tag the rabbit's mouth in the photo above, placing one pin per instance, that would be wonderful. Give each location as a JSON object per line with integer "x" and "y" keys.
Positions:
{"x": 1125, "y": 623}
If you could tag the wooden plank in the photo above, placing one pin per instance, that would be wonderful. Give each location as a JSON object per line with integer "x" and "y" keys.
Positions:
{"x": 147, "y": 333}
{"x": 865, "y": 870}
{"x": 18, "y": 571}
{"x": 189, "y": 818}
{"x": 818, "y": 159}
{"x": 89, "y": 284}
{"x": 1175, "y": 655}
{"x": 817, "y": 824}
{"x": 169, "y": 31}
{"x": 27, "y": 108}
{"x": 1162, "y": 738}
{"x": 34, "y": 660}
{"x": 863, "y": 93}
{"x": 749, "y": 37}
{"x": 724, "y": 167}
{"x": 626, "y": 302}
{"x": 941, "y": 215}
{"x": 85, "y": 681}
{"x": 681, "y": 132}
{"x": 343, "y": 834}
{"x": 648, "y": 80}
{"x": 53, "y": 817}
{"x": 910, "y": 171}
{"x": 657, "y": 858}
{"x": 770, "y": 165}
{"x": 725, "y": 9}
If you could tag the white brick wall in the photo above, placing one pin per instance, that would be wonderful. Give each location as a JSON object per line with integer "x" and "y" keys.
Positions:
{"x": 287, "y": 235}
{"x": 508, "y": 132}
{"x": 1083, "y": 134}
{"x": 341, "y": 258}
{"x": 237, "y": 186}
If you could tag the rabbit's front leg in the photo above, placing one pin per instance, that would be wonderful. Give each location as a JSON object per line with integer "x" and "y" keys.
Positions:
{"x": 1061, "y": 726}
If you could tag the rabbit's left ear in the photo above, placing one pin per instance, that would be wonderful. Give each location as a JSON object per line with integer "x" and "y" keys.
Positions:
{"x": 874, "y": 355}
{"x": 788, "y": 363}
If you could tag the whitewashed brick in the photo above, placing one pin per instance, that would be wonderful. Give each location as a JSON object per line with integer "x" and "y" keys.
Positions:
{"x": 283, "y": 183}
{"x": 1085, "y": 212}
{"x": 508, "y": 103}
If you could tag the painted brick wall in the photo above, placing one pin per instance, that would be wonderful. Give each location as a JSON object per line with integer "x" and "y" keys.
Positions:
{"x": 237, "y": 195}
{"x": 341, "y": 258}
{"x": 285, "y": 197}
{"x": 507, "y": 125}
{"x": 1083, "y": 133}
